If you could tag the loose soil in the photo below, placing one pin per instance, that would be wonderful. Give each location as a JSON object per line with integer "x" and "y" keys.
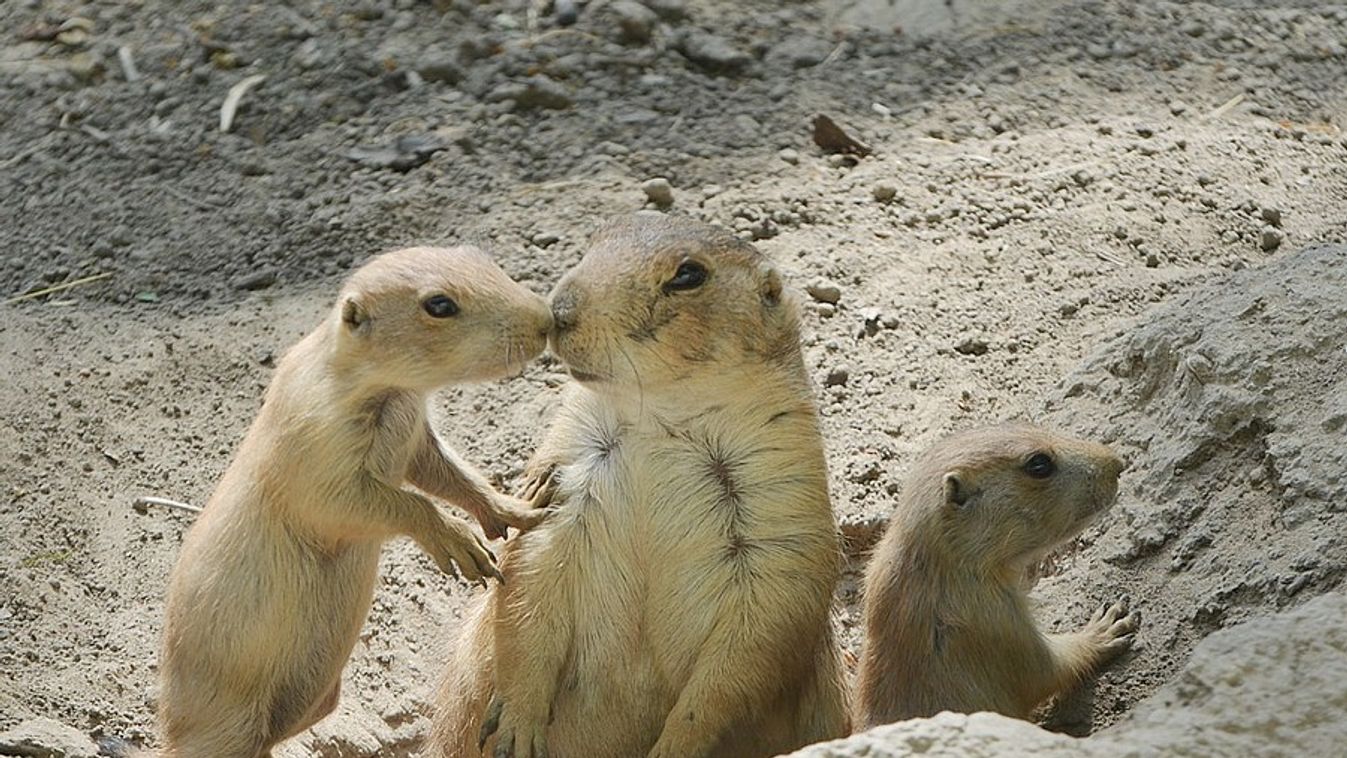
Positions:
{"x": 1045, "y": 179}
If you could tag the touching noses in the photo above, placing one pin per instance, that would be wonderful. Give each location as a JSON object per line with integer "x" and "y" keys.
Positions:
{"x": 565, "y": 309}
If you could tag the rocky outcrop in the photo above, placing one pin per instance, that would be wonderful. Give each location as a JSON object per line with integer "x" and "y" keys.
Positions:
{"x": 1275, "y": 686}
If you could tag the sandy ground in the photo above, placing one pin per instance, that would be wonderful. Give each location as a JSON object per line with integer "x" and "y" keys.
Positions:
{"x": 1044, "y": 179}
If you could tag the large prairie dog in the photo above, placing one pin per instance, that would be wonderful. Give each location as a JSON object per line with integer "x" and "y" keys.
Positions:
{"x": 947, "y": 622}
{"x": 676, "y": 603}
{"x": 276, "y": 577}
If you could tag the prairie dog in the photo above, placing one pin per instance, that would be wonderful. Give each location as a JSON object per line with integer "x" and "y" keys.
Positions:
{"x": 276, "y": 577}
{"x": 677, "y": 601}
{"x": 947, "y": 622}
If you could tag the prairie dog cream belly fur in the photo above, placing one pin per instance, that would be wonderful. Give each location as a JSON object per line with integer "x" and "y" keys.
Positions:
{"x": 677, "y": 600}
{"x": 275, "y": 578}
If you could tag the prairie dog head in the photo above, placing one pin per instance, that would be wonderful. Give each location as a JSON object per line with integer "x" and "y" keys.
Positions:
{"x": 1002, "y": 497}
{"x": 424, "y": 317}
{"x": 658, "y": 299}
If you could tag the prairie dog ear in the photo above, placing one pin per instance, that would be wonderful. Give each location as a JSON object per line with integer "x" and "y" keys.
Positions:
{"x": 354, "y": 316}
{"x": 957, "y": 490}
{"x": 770, "y": 288}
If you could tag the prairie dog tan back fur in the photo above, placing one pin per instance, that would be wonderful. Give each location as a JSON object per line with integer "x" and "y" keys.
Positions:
{"x": 947, "y": 622}
{"x": 275, "y": 578}
{"x": 677, "y": 600}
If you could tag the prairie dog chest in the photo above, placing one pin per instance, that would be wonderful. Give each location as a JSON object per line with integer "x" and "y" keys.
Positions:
{"x": 686, "y": 490}
{"x": 329, "y": 443}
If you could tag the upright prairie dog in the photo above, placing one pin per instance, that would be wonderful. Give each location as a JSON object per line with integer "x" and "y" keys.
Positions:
{"x": 947, "y": 622}
{"x": 276, "y": 577}
{"x": 677, "y": 600}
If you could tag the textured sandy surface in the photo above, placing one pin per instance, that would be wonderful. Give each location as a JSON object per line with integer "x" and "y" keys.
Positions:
{"x": 1050, "y": 189}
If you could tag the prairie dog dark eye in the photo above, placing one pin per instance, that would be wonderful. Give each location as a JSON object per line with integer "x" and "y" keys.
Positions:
{"x": 440, "y": 306}
{"x": 689, "y": 276}
{"x": 1040, "y": 466}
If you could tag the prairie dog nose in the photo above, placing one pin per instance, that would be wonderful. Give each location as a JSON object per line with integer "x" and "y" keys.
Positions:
{"x": 1114, "y": 464}
{"x": 565, "y": 310}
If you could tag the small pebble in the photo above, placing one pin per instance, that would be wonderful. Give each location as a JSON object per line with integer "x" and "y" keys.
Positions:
{"x": 635, "y": 21}
{"x": 884, "y": 192}
{"x": 972, "y": 346}
{"x": 658, "y": 191}
{"x": 713, "y": 52}
{"x": 669, "y": 10}
{"x": 1270, "y": 239}
{"x": 565, "y": 11}
{"x": 824, "y": 291}
{"x": 1271, "y": 215}
{"x": 789, "y": 156}
{"x": 838, "y": 376}
{"x": 257, "y": 280}
{"x": 120, "y": 235}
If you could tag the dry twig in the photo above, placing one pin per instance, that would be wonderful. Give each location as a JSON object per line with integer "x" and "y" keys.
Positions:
{"x": 142, "y": 503}
{"x": 58, "y": 287}
{"x": 128, "y": 64}
{"x": 231, "y": 101}
{"x": 1227, "y": 106}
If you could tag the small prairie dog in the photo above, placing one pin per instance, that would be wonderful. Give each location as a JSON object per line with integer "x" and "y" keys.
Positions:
{"x": 275, "y": 578}
{"x": 947, "y": 621}
{"x": 677, "y": 601}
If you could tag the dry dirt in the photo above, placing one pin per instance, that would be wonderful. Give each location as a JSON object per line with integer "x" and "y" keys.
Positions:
{"x": 1052, "y": 186}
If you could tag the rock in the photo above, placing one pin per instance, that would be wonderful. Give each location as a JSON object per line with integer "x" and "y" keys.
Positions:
{"x": 368, "y": 12}
{"x": 658, "y": 191}
{"x": 635, "y": 21}
{"x": 972, "y": 346}
{"x": 1296, "y": 660}
{"x": 120, "y": 235}
{"x": 439, "y": 65}
{"x": 565, "y": 12}
{"x": 713, "y": 52}
{"x": 837, "y": 376}
{"x": 116, "y": 747}
{"x": 257, "y": 280}
{"x": 1271, "y": 215}
{"x": 537, "y": 92}
{"x": 884, "y": 191}
{"x": 1270, "y": 239}
{"x": 47, "y": 738}
{"x": 824, "y": 291}
{"x": 1271, "y": 686}
{"x": 669, "y": 10}
{"x": 789, "y": 155}
{"x": 310, "y": 54}
{"x": 799, "y": 53}
{"x": 1194, "y": 28}
{"x": 545, "y": 239}
{"x": 402, "y": 154}
{"x": 980, "y": 735}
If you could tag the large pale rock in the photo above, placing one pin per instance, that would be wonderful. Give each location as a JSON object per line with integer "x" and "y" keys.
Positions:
{"x": 979, "y": 735}
{"x": 1275, "y": 686}
{"x": 1270, "y": 687}
{"x": 47, "y": 738}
